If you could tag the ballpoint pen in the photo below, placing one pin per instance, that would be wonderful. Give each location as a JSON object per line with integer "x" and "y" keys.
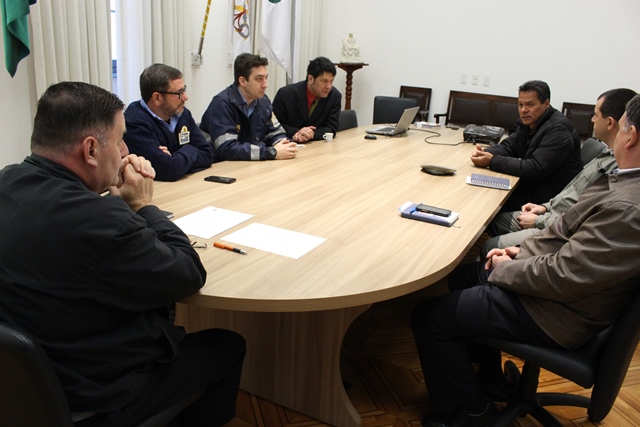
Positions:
{"x": 229, "y": 248}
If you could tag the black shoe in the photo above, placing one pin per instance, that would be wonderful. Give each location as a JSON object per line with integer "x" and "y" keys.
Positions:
{"x": 461, "y": 418}
{"x": 503, "y": 388}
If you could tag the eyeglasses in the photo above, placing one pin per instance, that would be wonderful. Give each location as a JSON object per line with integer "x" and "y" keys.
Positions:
{"x": 179, "y": 93}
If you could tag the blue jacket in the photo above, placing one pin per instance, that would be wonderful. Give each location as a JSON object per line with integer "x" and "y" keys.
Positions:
{"x": 290, "y": 107}
{"x": 146, "y": 133}
{"x": 236, "y": 136}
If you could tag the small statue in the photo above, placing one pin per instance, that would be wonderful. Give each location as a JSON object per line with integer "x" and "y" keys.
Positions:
{"x": 350, "y": 50}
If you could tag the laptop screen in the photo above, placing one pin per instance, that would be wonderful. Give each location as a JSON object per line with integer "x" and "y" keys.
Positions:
{"x": 401, "y": 127}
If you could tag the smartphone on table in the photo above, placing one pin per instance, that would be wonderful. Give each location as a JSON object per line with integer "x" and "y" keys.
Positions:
{"x": 221, "y": 179}
{"x": 432, "y": 210}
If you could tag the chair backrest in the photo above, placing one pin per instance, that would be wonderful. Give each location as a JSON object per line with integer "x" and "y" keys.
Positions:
{"x": 30, "y": 392}
{"x": 422, "y": 94}
{"x": 505, "y": 114}
{"x": 590, "y": 149}
{"x": 614, "y": 363}
{"x": 348, "y": 119}
{"x": 580, "y": 117}
{"x": 389, "y": 109}
{"x": 465, "y": 108}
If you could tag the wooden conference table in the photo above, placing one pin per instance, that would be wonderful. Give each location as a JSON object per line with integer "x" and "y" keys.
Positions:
{"x": 294, "y": 313}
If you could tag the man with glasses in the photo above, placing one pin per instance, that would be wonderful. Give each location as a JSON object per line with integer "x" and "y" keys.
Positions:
{"x": 161, "y": 129}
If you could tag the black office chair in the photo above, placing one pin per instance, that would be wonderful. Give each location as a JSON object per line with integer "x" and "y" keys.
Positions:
{"x": 600, "y": 363}
{"x": 423, "y": 95}
{"x": 590, "y": 149}
{"x": 389, "y": 109}
{"x": 348, "y": 119}
{"x": 31, "y": 394}
{"x": 580, "y": 117}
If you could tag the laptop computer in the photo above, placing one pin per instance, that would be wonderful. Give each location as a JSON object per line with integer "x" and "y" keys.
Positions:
{"x": 401, "y": 127}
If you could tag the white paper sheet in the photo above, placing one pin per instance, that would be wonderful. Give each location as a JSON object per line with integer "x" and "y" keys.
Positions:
{"x": 273, "y": 239}
{"x": 210, "y": 221}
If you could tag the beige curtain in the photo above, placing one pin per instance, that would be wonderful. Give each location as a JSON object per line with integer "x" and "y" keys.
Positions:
{"x": 148, "y": 32}
{"x": 307, "y": 44}
{"x": 71, "y": 41}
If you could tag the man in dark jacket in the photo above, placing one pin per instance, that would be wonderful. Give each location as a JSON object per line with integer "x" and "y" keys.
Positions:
{"x": 310, "y": 108}
{"x": 240, "y": 119}
{"x": 161, "y": 129}
{"x": 93, "y": 277}
{"x": 544, "y": 151}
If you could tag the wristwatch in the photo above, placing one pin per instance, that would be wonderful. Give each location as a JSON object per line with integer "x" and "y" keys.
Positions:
{"x": 272, "y": 153}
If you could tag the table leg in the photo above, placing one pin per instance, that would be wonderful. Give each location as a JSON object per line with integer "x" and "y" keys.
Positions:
{"x": 293, "y": 359}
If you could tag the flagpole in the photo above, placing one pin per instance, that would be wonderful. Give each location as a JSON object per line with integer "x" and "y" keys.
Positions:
{"x": 293, "y": 39}
{"x": 196, "y": 57}
{"x": 204, "y": 27}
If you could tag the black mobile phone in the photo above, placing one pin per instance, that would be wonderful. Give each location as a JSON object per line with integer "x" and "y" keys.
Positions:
{"x": 433, "y": 210}
{"x": 222, "y": 179}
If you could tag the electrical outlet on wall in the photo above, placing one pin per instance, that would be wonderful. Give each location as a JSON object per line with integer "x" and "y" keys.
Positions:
{"x": 196, "y": 59}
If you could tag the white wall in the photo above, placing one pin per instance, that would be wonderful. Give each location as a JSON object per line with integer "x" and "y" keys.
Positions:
{"x": 580, "y": 47}
{"x": 215, "y": 73}
{"x": 431, "y": 43}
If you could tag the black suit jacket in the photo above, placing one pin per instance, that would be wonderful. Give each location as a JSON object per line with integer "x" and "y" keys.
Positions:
{"x": 290, "y": 107}
{"x": 91, "y": 280}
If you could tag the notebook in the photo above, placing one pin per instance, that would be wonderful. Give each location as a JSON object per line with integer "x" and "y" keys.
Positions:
{"x": 401, "y": 127}
{"x": 489, "y": 181}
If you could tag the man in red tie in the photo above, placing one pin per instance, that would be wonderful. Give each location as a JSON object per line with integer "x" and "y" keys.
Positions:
{"x": 310, "y": 108}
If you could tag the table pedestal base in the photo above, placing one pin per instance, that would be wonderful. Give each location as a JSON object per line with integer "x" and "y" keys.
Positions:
{"x": 293, "y": 359}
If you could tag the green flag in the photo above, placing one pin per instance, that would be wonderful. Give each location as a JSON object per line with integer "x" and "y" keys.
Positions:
{"x": 15, "y": 31}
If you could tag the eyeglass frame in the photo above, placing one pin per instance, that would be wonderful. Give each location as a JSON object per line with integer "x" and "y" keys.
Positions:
{"x": 179, "y": 93}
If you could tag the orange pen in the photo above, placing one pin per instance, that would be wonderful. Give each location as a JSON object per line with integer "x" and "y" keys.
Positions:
{"x": 229, "y": 248}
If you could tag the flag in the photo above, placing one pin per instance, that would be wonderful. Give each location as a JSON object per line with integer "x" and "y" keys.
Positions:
{"x": 275, "y": 40}
{"x": 240, "y": 27}
{"x": 15, "y": 31}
